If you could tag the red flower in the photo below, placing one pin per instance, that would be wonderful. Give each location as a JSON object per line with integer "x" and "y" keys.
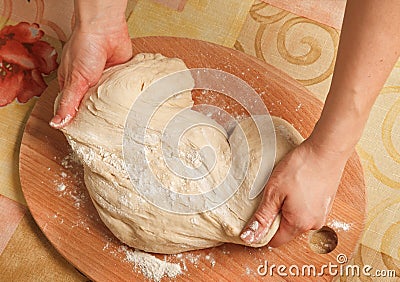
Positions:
{"x": 24, "y": 58}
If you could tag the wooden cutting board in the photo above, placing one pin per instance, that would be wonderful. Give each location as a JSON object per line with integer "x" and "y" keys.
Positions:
{"x": 53, "y": 184}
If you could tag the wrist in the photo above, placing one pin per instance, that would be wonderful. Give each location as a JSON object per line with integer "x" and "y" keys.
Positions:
{"x": 342, "y": 121}
{"x": 99, "y": 16}
{"x": 333, "y": 140}
{"x": 329, "y": 148}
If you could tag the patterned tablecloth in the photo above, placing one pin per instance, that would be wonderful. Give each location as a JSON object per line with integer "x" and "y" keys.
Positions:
{"x": 299, "y": 37}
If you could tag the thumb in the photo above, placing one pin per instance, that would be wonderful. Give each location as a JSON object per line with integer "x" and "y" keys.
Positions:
{"x": 71, "y": 97}
{"x": 260, "y": 223}
{"x": 286, "y": 233}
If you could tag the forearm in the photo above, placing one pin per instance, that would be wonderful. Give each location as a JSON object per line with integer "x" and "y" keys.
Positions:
{"x": 368, "y": 49}
{"x": 99, "y": 14}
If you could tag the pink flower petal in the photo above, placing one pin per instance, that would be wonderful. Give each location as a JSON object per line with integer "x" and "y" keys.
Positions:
{"x": 45, "y": 55}
{"x": 32, "y": 85}
{"x": 15, "y": 53}
{"x": 10, "y": 85}
{"x": 22, "y": 32}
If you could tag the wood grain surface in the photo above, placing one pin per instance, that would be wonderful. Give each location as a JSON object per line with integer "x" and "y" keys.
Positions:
{"x": 57, "y": 198}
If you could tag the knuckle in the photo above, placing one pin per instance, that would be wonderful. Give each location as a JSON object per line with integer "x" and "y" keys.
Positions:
{"x": 264, "y": 218}
{"x": 268, "y": 209}
{"x": 271, "y": 191}
{"x": 274, "y": 180}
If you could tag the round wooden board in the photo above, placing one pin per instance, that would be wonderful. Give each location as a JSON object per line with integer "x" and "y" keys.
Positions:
{"x": 58, "y": 200}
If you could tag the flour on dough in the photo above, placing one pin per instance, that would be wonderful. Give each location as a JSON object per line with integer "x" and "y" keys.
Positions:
{"x": 96, "y": 136}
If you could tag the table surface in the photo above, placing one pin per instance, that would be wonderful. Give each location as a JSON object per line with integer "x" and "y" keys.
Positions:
{"x": 274, "y": 34}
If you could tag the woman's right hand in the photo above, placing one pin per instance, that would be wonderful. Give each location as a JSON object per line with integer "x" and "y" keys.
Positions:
{"x": 86, "y": 54}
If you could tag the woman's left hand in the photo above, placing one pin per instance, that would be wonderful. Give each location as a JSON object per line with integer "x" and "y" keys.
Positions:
{"x": 302, "y": 187}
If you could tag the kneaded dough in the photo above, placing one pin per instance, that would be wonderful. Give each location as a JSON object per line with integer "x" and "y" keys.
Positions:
{"x": 96, "y": 136}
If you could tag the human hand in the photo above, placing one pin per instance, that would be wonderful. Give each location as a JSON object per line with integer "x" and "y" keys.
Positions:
{"x": 302, "y": 187}
{"x": 86, "y": 54}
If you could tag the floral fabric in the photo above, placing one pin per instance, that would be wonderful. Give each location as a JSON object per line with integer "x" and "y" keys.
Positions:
{"x": 24, "y": 60}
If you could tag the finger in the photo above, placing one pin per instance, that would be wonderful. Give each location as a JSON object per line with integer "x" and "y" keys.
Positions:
{"x": 72, "y": 95}
{"x": 286, "y": 232}
{"x": 260, "y": 223}
{"x": 290, "y": 227}
{"x": 60, "y": 78}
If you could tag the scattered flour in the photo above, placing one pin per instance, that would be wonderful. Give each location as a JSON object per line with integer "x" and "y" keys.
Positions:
{"x": 68, "y": 161}
{"x": 248, "y": 270}
{"x": 340, "y": 225}
{"x": 194, "y": 259}
{"x": 61, "y": 187}
{"x": 211, "y": 260}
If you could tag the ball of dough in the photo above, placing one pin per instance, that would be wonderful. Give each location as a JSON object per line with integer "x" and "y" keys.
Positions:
{"x": 96, "y": 136}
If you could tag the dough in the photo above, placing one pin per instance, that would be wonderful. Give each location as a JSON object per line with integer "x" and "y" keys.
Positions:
{"x": 96, "y": 136}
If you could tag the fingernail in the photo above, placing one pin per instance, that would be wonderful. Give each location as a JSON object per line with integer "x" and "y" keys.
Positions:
{"x": 247, "y": 236}
{"x": 56, "y": 119}
{"x": 57, "y": 122}
{"x": 254, "y": 225}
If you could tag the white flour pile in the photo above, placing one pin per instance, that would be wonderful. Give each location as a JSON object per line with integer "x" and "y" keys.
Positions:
{"x": 152, "y": 267}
